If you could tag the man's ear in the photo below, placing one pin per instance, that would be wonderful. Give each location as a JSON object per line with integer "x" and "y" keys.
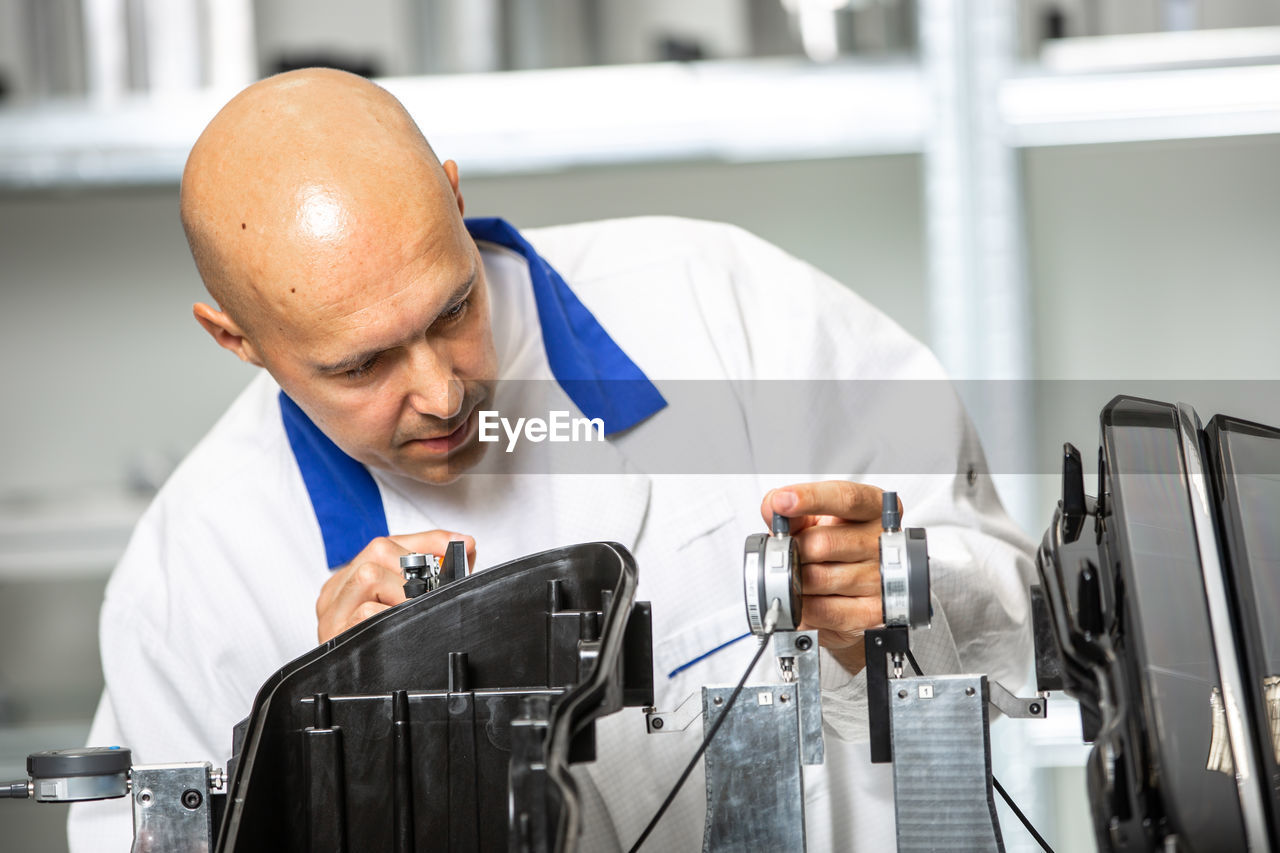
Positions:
{"x": 451, "y": 172}
{"x": 226, "y": 333}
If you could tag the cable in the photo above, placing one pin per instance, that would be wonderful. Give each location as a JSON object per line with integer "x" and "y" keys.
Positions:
{"x": 1044, "y": 845}
{"x": 771, "y": 622}
{"x": 912, "y": 660}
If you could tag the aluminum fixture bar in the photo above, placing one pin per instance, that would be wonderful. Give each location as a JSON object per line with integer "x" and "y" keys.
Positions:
{"x": 978, "y": 290}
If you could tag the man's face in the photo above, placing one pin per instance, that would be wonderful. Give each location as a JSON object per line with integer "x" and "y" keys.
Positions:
{"x": 383, "y": 338}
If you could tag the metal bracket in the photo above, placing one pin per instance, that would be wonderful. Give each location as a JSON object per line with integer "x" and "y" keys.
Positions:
{"x": 801, "y": 648}
{"x": 171, "y": 807}
{"x": 880, "y": 643}
{"x": 1037, "y": 707}
{"x": 665, "y": 722}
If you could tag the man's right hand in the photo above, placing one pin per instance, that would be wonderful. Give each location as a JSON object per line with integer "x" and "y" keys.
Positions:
{"x": 372, "y": 581}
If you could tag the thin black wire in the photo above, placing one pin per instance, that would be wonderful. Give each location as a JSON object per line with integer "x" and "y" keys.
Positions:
{"x": 706, "y": 741}
{"x": 1017, "y": 811}
{"x": 1044, "y": 845}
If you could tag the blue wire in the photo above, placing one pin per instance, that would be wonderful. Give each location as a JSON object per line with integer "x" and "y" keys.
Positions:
{"x": 682, "y": 667}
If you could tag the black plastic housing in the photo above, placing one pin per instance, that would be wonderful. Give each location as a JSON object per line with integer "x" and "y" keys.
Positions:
{"x": 398, "y": 734}
{"x": 1125, "y": 592}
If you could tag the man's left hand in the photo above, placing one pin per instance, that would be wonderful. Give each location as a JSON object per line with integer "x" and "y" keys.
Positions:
{"x": 837, "y": 527}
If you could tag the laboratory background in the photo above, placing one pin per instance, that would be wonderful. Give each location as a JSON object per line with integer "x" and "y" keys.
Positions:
{"x": 1064, "y": 198}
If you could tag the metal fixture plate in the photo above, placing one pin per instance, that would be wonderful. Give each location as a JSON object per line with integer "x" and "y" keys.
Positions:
{"x": 942, "y": 764}
{"x": 755, "y": 788}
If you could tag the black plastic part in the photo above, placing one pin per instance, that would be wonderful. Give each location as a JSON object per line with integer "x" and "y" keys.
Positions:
{"x": 85, "y": 761}
{"x": 1048, "y": 656}
{"x": 1089, "y": 599}
{"x": 415, "y": 586}
{"x": 637, "y": 658}
{"x": 217, "y": 808}
{"x": 454, "y": 566}
{"x": 890, "y": 515}
{"x": 1074, "y": 508}
{"x": 918, "y": 583}
{"x": 402, "y": 758}
{"x": 238, "y": 732}
{"x": 15, "y": 790}
{"x": 399, "y": 734}
{"x": 880, "y": 643}
{"x": 529, "y": 828}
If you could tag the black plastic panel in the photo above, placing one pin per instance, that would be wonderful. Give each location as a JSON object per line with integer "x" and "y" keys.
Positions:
{"x": 397, "y": 735}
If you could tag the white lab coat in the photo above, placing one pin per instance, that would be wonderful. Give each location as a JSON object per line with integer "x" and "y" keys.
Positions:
{"x": 217, "y": 587}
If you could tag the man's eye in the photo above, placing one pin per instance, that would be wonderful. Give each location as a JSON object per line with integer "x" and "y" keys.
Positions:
{"x": 455, "y": 313}
{"x": 364, "y": 369}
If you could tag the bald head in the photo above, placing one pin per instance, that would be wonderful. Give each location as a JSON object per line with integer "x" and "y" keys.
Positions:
{"x": 298, "y": 176}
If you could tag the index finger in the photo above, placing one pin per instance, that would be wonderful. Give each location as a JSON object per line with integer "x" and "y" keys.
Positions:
{"x": 434, "y": 542}
{"x": 838, "y": 498}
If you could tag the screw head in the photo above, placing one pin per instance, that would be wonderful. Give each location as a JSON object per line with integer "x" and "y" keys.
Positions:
{"x": 1034, "y": 707}
{"x": 804, "y": 643}
{"x": 902, "y": 694}
{"x": 718, "y": 701}
{"x": 191, "y": 798}
{"x": 784, "y": 698}
{"x": 969, "y": 691}
{"x": 657, "y": 722}
{"x": 144, "y": 797}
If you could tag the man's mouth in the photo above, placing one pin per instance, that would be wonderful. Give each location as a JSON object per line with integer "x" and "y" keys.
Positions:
{"x": 444, "y": 444}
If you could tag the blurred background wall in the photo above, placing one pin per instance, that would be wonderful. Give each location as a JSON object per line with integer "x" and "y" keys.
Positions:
{"x": 1144, "y": 254}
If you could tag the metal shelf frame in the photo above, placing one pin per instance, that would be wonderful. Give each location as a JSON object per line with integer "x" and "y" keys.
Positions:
{"x": 521, "y": 122}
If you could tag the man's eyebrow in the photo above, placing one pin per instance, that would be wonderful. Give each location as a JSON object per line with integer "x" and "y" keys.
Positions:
{"x": 353, "y": 361}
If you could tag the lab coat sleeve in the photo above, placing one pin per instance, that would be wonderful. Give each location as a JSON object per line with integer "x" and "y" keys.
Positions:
{"x": 882, "y": 412}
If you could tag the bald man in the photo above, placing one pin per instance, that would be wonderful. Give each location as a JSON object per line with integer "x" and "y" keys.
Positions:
{"x": 333, "y": 245}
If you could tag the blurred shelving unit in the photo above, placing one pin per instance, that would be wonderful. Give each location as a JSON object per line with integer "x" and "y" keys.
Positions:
{"x": 1043, "y": 109}
{"x": 65, "y": 540}
{"x": 731, "y": 111}
{"x": 547, "y": 120}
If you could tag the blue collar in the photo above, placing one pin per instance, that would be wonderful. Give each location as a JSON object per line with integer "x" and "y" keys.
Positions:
{"x": 600, "y": 379}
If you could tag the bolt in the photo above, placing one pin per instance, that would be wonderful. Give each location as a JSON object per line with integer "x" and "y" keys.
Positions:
{"x": 879, "y": 641}
{"x": 144, "y": 797}
{"x": 969, "y": 691}
{"x": 718, "y": 701}
{"x": 191, "y": 798}
{"x": 902, "y": 694}
{"x": 1034, "y": 708}
{"x": 657, "y": 722}
{"x": 784, "y": 698}
{"x": 804, "y": 643}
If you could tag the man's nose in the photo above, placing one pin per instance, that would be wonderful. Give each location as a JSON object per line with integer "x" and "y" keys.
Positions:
{"x": 433, "y": 389}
